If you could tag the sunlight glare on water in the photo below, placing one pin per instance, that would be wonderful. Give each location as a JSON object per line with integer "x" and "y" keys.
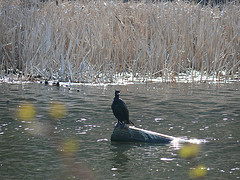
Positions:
{"x": 75, "y": 141}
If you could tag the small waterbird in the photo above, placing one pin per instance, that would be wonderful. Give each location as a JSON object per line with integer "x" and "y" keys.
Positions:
{"x": 120, "y": 110}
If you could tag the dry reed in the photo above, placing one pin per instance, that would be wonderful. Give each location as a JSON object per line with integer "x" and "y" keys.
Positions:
{"x": 102, "y": 41}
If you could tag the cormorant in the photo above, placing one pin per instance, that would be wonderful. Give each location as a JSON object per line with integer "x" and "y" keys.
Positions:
{"x": 120, "y": 110}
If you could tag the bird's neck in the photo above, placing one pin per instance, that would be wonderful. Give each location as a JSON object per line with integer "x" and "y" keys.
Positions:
{"x": 116, "y": 97}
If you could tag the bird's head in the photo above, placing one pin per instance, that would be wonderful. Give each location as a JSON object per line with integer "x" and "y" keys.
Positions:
{"x": 117, "y": 93}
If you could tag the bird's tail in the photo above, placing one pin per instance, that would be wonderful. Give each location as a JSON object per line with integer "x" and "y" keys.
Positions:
{"x": 131, "y": 122}
{"x": 128, "y": 122}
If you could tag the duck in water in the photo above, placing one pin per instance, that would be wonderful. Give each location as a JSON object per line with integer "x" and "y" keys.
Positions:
{"x": 120, "y": 110}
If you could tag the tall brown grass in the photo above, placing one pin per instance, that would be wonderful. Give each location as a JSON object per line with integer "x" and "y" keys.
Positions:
{"x": 100, "y": 41}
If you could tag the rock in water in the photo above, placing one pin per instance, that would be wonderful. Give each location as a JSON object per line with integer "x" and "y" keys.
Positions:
{"x": 133, "y": 134}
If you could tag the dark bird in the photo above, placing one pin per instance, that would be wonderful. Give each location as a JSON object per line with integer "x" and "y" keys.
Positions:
{"x": 120, "y": 110}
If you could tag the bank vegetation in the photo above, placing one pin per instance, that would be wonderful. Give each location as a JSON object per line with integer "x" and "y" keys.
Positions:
{"x": 104, "y": 41}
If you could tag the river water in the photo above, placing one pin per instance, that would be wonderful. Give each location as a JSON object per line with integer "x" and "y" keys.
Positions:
{"x": 207, "y": 112}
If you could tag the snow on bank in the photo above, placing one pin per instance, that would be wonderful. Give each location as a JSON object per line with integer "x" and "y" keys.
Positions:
{"x": 128, "y": 78}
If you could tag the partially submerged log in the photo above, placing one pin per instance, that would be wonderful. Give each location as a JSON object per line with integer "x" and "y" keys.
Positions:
{"x": 133, "y": 134}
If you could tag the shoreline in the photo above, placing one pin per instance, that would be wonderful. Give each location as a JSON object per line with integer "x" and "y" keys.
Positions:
{"x": 125, "y": 80}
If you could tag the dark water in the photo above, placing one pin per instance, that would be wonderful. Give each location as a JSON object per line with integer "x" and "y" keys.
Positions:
{"x": 203, "y": 111}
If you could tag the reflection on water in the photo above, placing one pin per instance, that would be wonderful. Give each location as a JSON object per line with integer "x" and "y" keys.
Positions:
{"x": 202, "y": 111}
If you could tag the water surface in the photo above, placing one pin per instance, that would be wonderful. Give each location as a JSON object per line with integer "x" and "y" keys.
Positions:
{"x": 202, "y": 111}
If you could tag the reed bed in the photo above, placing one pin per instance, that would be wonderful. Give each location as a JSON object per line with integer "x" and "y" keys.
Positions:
{"x": 103, "y": 41}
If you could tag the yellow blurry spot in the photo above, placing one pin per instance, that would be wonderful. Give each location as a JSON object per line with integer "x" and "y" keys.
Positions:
{"x": 69, "y": 147}
{"x": 189, "y": 151}
{"x": 26, "y": 112}
{"x": 199, "y": 172}
{"x": 57, "y": 110}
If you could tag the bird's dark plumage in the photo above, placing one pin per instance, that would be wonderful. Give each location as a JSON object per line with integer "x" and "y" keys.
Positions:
{"x": 120, "y": 109}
